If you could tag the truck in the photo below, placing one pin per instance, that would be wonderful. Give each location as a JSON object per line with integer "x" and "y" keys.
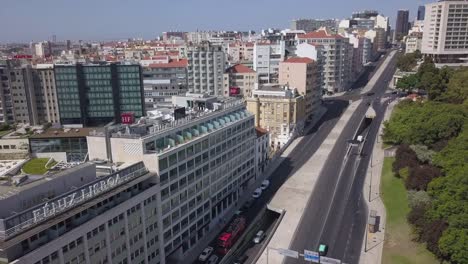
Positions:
{"x": 229, "y": 237}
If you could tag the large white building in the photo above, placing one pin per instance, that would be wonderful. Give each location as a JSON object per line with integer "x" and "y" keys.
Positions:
{"x": 266, "y": 59}
{"x": 203, "y": 164}
{"x": 206, "y": 65}
{"x": 79, "y": 216}
{"x": 445, "y": 37}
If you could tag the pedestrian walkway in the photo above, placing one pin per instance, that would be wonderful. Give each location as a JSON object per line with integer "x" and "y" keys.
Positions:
{"x": 295, "y": 192}
{"x": 371, "y": 252}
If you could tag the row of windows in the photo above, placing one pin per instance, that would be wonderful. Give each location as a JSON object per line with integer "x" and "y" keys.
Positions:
{"x": 96, "y": 69}
{"x": 66, "y": 83}
{"x": 129, "y": 81}
{"x": 128, "y": 68}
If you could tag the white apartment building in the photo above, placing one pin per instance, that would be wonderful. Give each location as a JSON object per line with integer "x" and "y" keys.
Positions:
{"x": 79, "y": 216}
{"x": 240, "y": 52}
{"x": 203, "y": 162}
{"x": 445, "y": 37}
{"x": 206, "y": 64}
{"x": 266, "y": 59}
{"x": 413, "y": 42}
{"x": 337, "y": 55}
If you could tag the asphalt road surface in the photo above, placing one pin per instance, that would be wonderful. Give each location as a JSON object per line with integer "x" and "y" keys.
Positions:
{"x": 336, "y": 213}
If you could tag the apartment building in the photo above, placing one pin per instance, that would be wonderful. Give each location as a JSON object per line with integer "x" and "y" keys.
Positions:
{"x": 239, "y": 81}
{"x": 262, "y": 150}
{"x": 204, "y": 163}
{"x": 267, "y": 56}
{"x": 98, "y": 94}
{"x": 206, "y": 65}
{"x": 445, "y": 37}
{"x": 81, "y": 216}
{"x": 278, "y": 109}
{"x": 240, "y": 52}
{"x": 46, "y": 94}
{"x": 304, "y": 75}
{"x": 163, "y": 80}
{"x": 6, "y": 103}
{"x": 413, "y": 42}
{"x": 337, "y": 58}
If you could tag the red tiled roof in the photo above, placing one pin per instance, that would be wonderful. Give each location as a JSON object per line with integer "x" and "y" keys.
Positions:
{"x": 171, "y": 64}
{"x": 239, "y": 68}
{"x": 299, "y": 60}
{"x": 317, "y": 35}
{"x": 260, "y": 131}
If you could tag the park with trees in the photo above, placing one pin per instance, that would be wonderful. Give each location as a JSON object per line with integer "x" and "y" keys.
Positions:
{"x": 432, "y": 158}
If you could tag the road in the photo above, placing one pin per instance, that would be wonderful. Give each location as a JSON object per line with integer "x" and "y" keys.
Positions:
{"x": 305, "y": 149}
{"x": 336, "y": 213}
{"x": 313, "y": 139}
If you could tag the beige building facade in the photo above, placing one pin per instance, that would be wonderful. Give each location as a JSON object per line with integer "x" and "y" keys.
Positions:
{"x": 304, "y": 75}
{"x": 278, "y": 109}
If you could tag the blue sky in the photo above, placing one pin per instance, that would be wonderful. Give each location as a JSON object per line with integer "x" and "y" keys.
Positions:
{"x": 35, "y": 20}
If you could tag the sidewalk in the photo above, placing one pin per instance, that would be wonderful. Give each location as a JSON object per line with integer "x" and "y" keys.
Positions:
{"x": 371, "y": 252}
{"x": 192, "y": 255}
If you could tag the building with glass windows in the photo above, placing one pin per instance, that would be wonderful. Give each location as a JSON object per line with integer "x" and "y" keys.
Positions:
{"x": 98, "y": 94}
{"x": 79, "y": 216}
{"x": 68, "y": 145}
{"x": 204, "y": 163}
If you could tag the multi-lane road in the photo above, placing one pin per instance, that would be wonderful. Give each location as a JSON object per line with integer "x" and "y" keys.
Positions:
{"x": 336, "y": 212}
{"x": 337, "y": 196}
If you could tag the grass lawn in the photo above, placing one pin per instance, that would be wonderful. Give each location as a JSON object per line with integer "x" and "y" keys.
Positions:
{"x": 4, "y": 132}
{"x": 399, "y": 247}
{"x": 37, "y": 166}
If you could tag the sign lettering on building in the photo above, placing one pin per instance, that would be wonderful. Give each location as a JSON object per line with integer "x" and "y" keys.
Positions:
{"x": 57, "y": 206}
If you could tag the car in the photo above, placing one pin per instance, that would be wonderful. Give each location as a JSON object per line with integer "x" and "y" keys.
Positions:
{"x": 322, "y": 249}
{"x": 212, "y": 260}
{"x": 239, "y": 212}
{"x": 257, "y": 193}
{"x": 265, "y": 184}
{"x": 259, "y": 237}
{"x": 247, "y": 205}
{"x": 370, "y": 94}
{"x": 205, "y": 254}
{"x": 241, "y": 260}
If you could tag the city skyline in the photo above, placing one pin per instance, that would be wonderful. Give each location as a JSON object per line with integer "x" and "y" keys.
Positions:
{"x": 148, "y": 19}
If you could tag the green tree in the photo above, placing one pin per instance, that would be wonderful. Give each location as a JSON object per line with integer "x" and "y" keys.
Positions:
{"x": 408, "y": 82}
{"x": 406, "y": 62}
{"x": 457, "y": 87}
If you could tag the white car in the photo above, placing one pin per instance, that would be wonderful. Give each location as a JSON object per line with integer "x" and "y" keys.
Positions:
{"x": 257, "y": 193}
{"x": 259, "y": 237}
{"x": 265, "y": 184}
{"x": 213, "y": 260}
{"x": 205, "y": 254}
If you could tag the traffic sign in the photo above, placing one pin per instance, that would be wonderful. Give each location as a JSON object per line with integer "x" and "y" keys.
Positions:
{"x": 325, "y": 260}
{"x": 288, "y": 253}
{"x": 311, "y": 256}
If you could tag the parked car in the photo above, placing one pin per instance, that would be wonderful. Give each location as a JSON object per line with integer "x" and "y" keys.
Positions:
{"x": 213, "y": 260}
{"x": 205, "y": 254}
{"x": 265, "y": 184}
{"x": 257, "y": 193}
{"x": 247, "y": 205}
{"x": 241, "y": 260}
{"x": 259, "y": 237}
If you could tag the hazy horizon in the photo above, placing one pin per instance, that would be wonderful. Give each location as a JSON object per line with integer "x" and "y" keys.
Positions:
{"x": 31, "y": 20}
